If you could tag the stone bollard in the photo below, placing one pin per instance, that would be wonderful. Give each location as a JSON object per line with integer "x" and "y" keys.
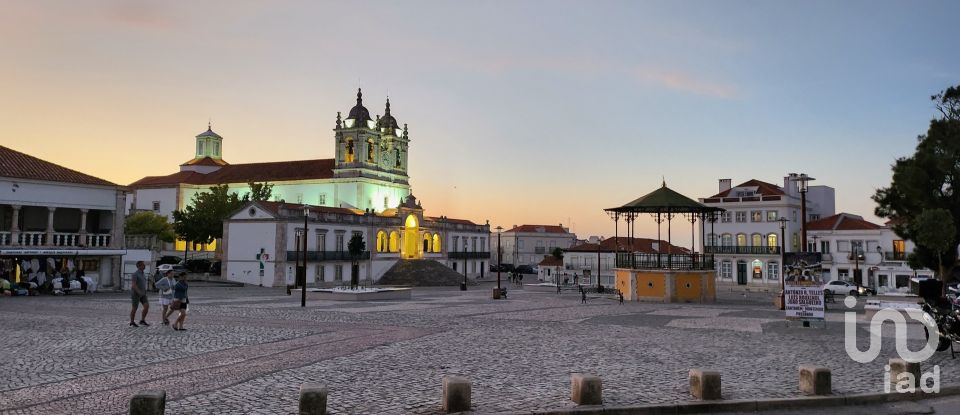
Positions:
{"x": 899, "y": 367}
{"x": 814, "y": 380}
{"x": 313, "y": 399}
{"x": 586, "y": 389}
{"x": 148, "y": 402}
{"x": 456, "y": 394}
{"x": 704, "y": 384}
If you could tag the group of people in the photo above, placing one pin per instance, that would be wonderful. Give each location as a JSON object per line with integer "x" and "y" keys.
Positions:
{"x": 49, "y": 276}
{"x": 173, "y": 297}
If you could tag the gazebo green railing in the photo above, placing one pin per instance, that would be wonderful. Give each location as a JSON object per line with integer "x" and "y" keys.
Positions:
{"x": 663, "y": 205}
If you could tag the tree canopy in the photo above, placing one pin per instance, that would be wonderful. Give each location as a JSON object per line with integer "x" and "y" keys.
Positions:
{"x": 923, "y": 200}
{"x": 149, "y": 223}
{"x": 202, "y": 220}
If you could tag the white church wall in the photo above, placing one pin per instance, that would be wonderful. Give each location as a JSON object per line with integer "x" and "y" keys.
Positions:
{"x": 246, "y": 240}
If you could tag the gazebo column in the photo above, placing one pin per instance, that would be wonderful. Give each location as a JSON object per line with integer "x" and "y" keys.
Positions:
{"x": 669, "y": 241}
{"x": 659, "y": 240}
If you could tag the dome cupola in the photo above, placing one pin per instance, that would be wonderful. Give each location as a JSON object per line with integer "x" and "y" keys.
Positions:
{"x": 387, "y": 122}
{"x": 358, "y": 113}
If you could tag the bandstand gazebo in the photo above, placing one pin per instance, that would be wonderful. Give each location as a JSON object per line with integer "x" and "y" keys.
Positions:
{"x": 685, "y": 276}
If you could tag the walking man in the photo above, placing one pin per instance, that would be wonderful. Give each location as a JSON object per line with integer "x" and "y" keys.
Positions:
{"x": 138, "y": 295}
{"x": 621, "y": 296}
{"x": 583, "y": 296}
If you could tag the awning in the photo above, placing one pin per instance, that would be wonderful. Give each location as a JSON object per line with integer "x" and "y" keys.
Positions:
{"x": 63, "y": 252}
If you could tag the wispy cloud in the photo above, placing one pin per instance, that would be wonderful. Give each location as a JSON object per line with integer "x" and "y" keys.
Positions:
{"x": 678, "y": 80}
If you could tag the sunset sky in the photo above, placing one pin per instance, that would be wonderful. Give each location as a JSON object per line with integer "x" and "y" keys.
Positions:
{"x": 519, "y": 111}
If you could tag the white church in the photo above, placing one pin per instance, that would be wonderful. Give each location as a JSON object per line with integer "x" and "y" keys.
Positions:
{"x": 365, "y": 189}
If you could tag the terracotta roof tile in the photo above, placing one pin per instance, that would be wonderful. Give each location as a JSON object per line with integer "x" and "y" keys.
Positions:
{"x": 763, "y": 188}
{"x": 539, "y": 229}
{"x": 245, "y": 173}
{"x": 450, "y": 220}
{"x": 644, "y": 245}
{"x": 551, "y": 261}
{"x": 206, "y": 161}
{"x": 18, "y": 165}
{"x": 274, "y": 207}
{"x": 842, "y": 222}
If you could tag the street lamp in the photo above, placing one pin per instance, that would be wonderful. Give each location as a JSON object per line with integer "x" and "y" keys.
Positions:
{"x": 463, "y": 286}
{"x": 783, "y": 248}
{"x": 303, "y": 271}
{"x": 499, "y": 260}
{"x": 802, "y": 180}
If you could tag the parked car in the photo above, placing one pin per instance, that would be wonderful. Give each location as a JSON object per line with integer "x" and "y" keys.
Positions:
{"x": 525, "y": 269}
{"x": 198, "y": 265}
{"x": 169, "y": 260}
{"x": 167, "y": 267}
{"x": 846, "y": 287}
{"x": 215, "y": 268}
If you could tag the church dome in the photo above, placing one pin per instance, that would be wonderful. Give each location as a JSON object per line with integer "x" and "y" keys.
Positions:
{"x": 359, "y": 113}
{"x": 387, "y": 120}
{"x": 209, "y": 133}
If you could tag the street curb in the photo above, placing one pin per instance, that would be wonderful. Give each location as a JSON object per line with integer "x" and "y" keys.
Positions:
{"x": 705, "y": 407}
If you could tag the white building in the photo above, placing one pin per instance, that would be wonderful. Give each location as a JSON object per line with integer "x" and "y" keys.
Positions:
{"x": 60, "y": 218}
{"x": 527, "y": 244}
{"x": 853, "y": 247}
{"x": 369, "y": 171}
{"x": 260, "y": 243}
{"x": 588, "y": 259}
{"x": 746, "y": 238}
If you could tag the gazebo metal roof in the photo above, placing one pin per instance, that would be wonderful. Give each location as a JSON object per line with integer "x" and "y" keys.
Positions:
{"x": 664, "y": 200}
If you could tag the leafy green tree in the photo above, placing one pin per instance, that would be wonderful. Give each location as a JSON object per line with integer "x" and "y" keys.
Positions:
{"x": 149, "y": 223}
{"x": 557, "y": 253}
{"x": 258, "y": 192}
{"x": 923, "y": 200}
{"x": 202, "y": 220}
{"x": 355, "y": 247}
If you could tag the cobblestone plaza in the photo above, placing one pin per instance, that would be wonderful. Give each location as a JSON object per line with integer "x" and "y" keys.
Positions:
{"x": 248, "y": 350}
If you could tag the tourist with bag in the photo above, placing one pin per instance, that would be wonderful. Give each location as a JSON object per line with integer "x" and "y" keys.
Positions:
{"x": 165, "y": 286}
{"x": 180, "y": 300}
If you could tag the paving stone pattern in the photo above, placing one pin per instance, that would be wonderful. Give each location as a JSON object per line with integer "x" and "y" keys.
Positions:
{"x": 248, "y": 350}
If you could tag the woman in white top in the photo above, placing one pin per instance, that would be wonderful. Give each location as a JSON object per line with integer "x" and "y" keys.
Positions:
{"x": 165, "y": 286}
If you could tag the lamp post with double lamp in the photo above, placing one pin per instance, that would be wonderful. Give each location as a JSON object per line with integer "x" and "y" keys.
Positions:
{"x": 783, "y": 248}
{"x": 499, "y": 262}
{"x": 303, "y": 271}
{"x": 802, "y": 179}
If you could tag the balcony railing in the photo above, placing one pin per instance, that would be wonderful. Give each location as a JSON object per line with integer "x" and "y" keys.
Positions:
{"x": 468, "y": 255}
{"x": 327, "y": 255}
{"x": 59, "y": 239}
{"x": 745, "y": 250}
{"x": 665, "y": 261}
{"x": 895, "y": 256}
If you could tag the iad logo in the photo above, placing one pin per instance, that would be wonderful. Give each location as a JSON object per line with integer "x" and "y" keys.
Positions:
{"x": 905, "y": 381}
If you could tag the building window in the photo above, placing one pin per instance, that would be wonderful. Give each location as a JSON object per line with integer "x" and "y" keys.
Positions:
{"x": 756, "y": 216}
{"x": 339, "y": 243}
{"x": 741, "y": 216}
{"x": 825, "y": 247}
{"x": 386, "y": 202}
{"x": 456, "y": 240}
{"x": 483, "y": 245}
{"x": 773, "y": 271}
{"x": 741, "y": 239}
{"x": 725, "y": 217}
{"x": 156, "y": 205}
{"x": 726, "y": 239}
{"x": 772, "y": 216}
{"x": 321, "y": 241}
{"x": 711, "y": 239}
{"x": 338, "y": 272}
{"x": 814, "y": 216}
{"x": 726, "y": 270}
{"x": 322, "y": 200}
{"x": 856, "y": 247}
{"x": 772, "y": 240}
{"x": 319, "y": 276}
{"x": 473, "y": 242}
{"x": 520, "y": 244}
{"x": 843, "y": 246}
{"x": 756, "y": 239}
{"x": 843, "y": 274}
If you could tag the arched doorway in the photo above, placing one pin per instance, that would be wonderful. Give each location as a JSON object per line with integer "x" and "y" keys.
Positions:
{"x": 426, "y": 243}
{"x": 411, "y": 237}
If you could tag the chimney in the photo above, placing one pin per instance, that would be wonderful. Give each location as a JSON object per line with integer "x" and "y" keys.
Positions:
{"x": 724, "y": 185}
{"x": 656, "y": 245}
{"x": 789, "y": 185}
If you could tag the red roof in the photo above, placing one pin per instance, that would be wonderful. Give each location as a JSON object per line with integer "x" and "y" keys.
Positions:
{"x": 763, "y": 188}
{"x": 274, "y": 207}
{"x": 644, "y": 245}
{"x": 551, "y": 261}
{"x": 539, "y": 229}
{"x": 206, "y": 161}
{"x": 450, "y": 220}
{"x": 245, "y": 173}
{"x": 841, "y": 222}
{"x": 18, "y": 165}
